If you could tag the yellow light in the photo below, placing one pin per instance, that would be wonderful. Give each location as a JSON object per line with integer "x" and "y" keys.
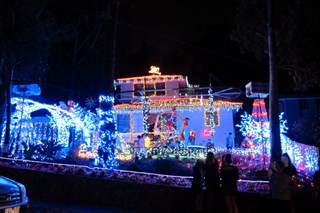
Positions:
{"x": 147, "y": 142}
{"x": 155, "y": 70}
{"x": 124, "y": 157}
{"x": 87, "y": 154}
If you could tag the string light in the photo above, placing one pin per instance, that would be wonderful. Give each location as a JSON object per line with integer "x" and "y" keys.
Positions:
{"x": 256, "y": 131}
{"x": 108, "y": 133}
{"x": 184, "y": 104}
{"x": 99, "y": 133}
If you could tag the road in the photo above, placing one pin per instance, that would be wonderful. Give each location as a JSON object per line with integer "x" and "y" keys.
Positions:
{"x": 250, "y": 204}
{"x": 38, "y": 206}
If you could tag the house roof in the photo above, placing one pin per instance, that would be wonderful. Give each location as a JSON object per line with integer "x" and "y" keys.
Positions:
{"x": 150, "y": 79}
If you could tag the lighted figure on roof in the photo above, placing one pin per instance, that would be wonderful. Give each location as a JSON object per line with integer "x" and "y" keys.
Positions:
{"x": 154, "y": 70}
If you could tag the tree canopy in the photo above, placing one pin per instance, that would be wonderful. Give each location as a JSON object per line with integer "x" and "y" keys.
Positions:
{"x": 26, "y": 33}
{"x": 296, "y": 29}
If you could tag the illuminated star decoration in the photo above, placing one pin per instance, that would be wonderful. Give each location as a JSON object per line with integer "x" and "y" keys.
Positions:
{"x": 91, "y": 103}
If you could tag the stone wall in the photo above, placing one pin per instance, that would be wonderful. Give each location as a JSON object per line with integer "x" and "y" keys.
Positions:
{"x": 95, "y": 191}
{"x": 66, "y": 188}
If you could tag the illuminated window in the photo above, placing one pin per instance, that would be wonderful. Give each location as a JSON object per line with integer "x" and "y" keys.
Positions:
{"x": 215, "y": 117}
{"x": 156, "y": 89}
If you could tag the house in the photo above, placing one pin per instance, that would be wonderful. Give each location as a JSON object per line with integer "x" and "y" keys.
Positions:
{"x": 171, "y": 111}
{"x": 300, "y": 109}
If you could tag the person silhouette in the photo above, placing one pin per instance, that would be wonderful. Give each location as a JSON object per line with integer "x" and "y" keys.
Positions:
{"x": 316, "y": 184}
{"x": 229, "y": 184}
{"x": 291, "y": 170}
{"x": 197, "y": 185}
{"x": 212, "y": 183}
{"x": 279, "y": 185}
{"x": 229, "y": 141}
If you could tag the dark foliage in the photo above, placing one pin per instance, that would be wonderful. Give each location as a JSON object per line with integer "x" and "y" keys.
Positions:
{"x": 296, "y": 29}
{"x": 307, "y": 131}
{"x": 160, "y": 166}
{"x": 49, "y": 148}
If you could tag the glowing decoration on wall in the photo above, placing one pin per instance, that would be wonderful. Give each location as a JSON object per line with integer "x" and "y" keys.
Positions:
{"x": 192, "y": 133}
{"x": 211, "y": 111}
{"x": 192, "y": 137}
{"x": 184, "y": 104}
{"x": 150, "y": 79}
{"x": 155, "y": 70}
{"x": 207, "y": 132}
{"x": 145, "y": 112}
{"x": 147, "y": 142}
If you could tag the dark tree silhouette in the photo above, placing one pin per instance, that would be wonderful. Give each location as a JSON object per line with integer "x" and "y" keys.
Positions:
{"x": 89, "y": 54}
{"x": 26, "y": 32}
{"x": 307, "y": 130}
{"x": 285, "y": 34}
{"x": 275, "y": 139}
{"x": 78, "y": 59}
{"x": 296, "y": 29}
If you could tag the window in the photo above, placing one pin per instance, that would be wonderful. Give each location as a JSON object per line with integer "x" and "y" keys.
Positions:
{"x": 208, "y": 116}
{"x": 123, "y": 122}
{"x": 154, "y": 87}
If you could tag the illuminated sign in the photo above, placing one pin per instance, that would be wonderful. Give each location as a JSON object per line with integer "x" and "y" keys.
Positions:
{"x": 206, "y": 133}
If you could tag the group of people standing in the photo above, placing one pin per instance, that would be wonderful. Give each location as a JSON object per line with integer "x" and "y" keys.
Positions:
{"x": 214, "y": 181}
{"x": 283, "y": 185}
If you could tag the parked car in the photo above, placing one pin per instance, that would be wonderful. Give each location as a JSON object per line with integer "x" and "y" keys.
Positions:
{"x": 13, "y": 196}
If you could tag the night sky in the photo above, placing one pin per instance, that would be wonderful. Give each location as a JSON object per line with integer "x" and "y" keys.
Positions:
{"x": 191, "y": 39}
{"x": 186, "y": 38}
{"x": 181, "y": 37}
